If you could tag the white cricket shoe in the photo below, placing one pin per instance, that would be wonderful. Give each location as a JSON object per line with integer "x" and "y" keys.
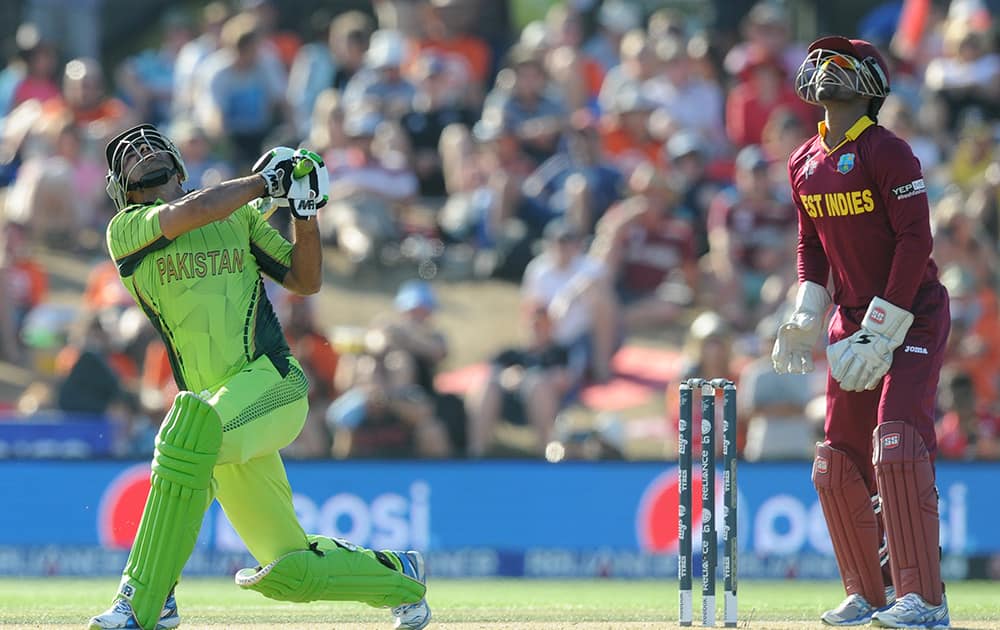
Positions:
{"x": 412, "y": 616}
{"x": 120, "y": 615}
{"x": 911, "y": 611}
{"x": 855, "y": 610}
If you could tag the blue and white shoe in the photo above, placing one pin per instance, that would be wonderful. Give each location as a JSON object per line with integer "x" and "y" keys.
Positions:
{"x": 855, "y": 610}
{"x": 412, "y": 616}
{"x": 120, "y": 615}
{"x": 911, "y": 611}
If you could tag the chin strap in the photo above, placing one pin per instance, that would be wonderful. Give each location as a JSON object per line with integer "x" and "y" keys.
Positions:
{"x": 158, "y": 177}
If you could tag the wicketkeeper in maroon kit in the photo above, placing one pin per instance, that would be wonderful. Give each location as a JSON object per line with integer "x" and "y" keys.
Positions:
{"x": 864, "y": 219}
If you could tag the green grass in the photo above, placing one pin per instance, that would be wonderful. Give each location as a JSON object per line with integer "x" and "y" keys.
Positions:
{"x": 615, "y": 604}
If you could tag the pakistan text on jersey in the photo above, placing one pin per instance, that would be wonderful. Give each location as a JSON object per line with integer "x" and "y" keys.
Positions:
{"x": 838, "y": 204}
{"x": 186, "y": 266}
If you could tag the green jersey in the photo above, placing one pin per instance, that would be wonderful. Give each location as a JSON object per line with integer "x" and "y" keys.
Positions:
{"x": 203, "y": 291}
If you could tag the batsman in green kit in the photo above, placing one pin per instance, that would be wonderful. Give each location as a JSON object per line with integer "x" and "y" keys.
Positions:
{"x": 194, "y": 262}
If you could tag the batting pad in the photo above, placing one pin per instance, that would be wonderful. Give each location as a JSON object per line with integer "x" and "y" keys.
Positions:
{"x": 334, "y": 571}
{"x": 850, "y": 518}
{"x": 905, "y": 478}
{"x": 186, "y": 449}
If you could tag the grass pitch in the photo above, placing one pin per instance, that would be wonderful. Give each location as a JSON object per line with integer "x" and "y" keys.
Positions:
{"x": 471, "y": 604}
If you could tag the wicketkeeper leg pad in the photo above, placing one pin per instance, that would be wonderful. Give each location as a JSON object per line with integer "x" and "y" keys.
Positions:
{"x": 186, "y": 449}
{"x": 851, "y": 520}
{"x": 905, "y": 478}
{"x": 332, "y": 570}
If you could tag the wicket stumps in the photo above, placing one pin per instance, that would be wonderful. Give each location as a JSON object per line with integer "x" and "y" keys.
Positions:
{"x": 709, "y": 537}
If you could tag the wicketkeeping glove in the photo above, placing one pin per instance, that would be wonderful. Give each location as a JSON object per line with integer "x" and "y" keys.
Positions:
{"x": 792, "y": 353}
{"x": 860, "y": 361}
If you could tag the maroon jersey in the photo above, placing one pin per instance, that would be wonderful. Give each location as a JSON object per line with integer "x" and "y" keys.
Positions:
{"x": 650, "y": 253}
{"x": 863, "y": 214}
{"x": 753, "y": 225}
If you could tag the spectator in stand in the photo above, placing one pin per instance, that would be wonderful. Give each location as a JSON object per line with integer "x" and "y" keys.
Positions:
{"x": 380, "y": 83}
{"x": 897, "y": 116}
{"x": 749, "y": 233}
{"x": 322, "y": 65}
{"x": 648, "y": 252}
{"x": 782, "y": 134}
{"x": 245, "y": 95}
{"x": 525, "y": 106}
{"x": 615, "y": 18}
{"x": 59, "y": 187}
{"x": 975, "y": 152}
{"x": 389, "y": 406}
{"x": 564, "y": 32}
{"x": 691, "y": 100}
{"x": 576, "y": 183}
{"x": 319, "y": 363}
{"x": 204, "y": 168}
{"x": 94, "y": 376}
{"x": 974, "y": 343}
{"x": 189, "y": 67}
{"x": 367, "y": 192}
{"x": 966, "y": 430}
{"x": 326, "y": 130}
{"x": 437, "y": 104}
{"x": 526, "y": 385}
{"x": 639, "y": 65}
{"x": 576, "y": 290}
{"x": 467, "y": 58}
{"x": 98, "y": 115}
{"x": 707, "y": 351}
{"x": 774, "y": 408}
{"x": 483, "y": 171}
{"x": 283, "y": 44}
{"x": 40, "y": 60}
{"x": 689, "y": 162}
{"x": 762, "y": 89}
{"x": 147, "y": 79}
{"x": 959, "y": 241}
{"x": 75, "y": 24}
{"x": 26, "y": 280}
{"x": 626, "y": 137}
{"x": 968, "y": 75}
{"x": 766, "y": 26}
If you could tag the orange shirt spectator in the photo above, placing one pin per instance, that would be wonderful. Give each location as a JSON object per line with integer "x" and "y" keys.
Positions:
{"x": 104, "y": 288}
{"x": 462, "y": 51}
{"x": 158, "y": 384}
{"x": 30, "y": 283}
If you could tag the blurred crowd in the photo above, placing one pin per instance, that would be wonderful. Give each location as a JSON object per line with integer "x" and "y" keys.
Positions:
{"x": 625, "y": 166}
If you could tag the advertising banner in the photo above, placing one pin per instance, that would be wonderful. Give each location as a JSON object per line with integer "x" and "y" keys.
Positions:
{"x": 473, "y": 518}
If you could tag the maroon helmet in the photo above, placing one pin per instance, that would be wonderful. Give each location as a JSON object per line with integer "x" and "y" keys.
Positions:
{"x": 852, "y": 63}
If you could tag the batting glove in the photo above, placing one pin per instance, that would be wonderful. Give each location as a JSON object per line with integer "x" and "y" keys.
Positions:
{"x": 310, "y": 187}
{"x": 860, "y": 361}
{"x": 792, "y": 353}
{"x": 276, "y": 166}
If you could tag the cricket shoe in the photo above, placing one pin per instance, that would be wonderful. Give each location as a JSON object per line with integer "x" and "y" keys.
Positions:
{"x": 412, "y": 616}
{"x": 911, "y": 611}
{"x": 855, "y": 610}
{"x": 121, "y": 616}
